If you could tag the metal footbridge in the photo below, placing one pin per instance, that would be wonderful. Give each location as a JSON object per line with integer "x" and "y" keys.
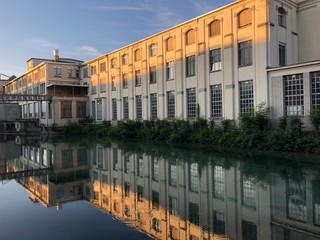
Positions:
{"x": 24, "y": 173}
{"x": 24, "y": 97}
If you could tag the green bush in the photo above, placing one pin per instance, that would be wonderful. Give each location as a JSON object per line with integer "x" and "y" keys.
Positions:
{"x": 314, "y": 118}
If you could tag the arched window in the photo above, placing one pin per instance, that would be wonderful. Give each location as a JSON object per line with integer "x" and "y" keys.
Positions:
{"x": 153, "y": 50}
{"x": 113, "y": 62}
{"x": 137, "y": 55}
{"x": 282, "y": 17}
{"x": 169, "y": 44}
{"x": 124, "y": 59}
{"x": 244, "y": 18}
{"x": 214, "y": 28}
{"x": 190, "y": 37}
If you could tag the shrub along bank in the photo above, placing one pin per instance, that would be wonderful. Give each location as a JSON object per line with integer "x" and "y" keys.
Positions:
{"x": 252, "y": 132}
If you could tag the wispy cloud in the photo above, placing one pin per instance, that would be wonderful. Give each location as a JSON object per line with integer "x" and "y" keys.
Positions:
{"x": 43, "y": 43}
{"x": 89, "y": 50}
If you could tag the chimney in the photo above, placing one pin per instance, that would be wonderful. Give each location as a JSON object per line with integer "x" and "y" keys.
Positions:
{"x": 55, "y": 55}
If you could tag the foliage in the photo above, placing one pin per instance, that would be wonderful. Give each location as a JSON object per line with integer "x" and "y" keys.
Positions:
{"x": 314, "y": 118}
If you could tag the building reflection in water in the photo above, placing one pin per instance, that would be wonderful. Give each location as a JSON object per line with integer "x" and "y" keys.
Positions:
{"x": 177, "y": 194}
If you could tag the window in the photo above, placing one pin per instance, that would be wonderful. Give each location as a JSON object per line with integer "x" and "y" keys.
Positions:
{"x": 171, "y": 104}
{"x": 190, "y": 66}
{"x": 215, "y": 59}
{"x": 99, "y": 109}
{"x": 245, "y": 53}
{"x": 170, "y": 70}
{"x": 140, "y": 193}
{"x": 249, "y": 230}
{"x": 137, "y": 55}
{"x": 43, "y": 109}
{"x": 194, "y": 177}
{"x": 218, "y": 223}
{"x": 153, "y": 106}
{"x": 81, "y": 109}
{"x": 125, "y": 80}
{"x": 103, "y": 85}
{"x": 115, "y": 159}
{"x": 169, "y": 44}
{"x": 85, "y": 72}
{"x": 316, "y": 201}
{"x": 246, "y": 96}
{"x": 140, "y": 166}
{"x": 194, "y": 213}
{"x": 67, "y": 158}
{"x": 218, "y": 182}
{"x": 155, "y": 170}
{"x": 126, "y": 189}
{"x": 114, "y": 109}
{"x": 190, "y": 37}
{"x": 296, "y": 200}
{"x": 113, "y": 63}
{"x": 102, "y": 67}
{"x": 294, "y": 95}
{"x": 66, "y": 109}
{"x": 216, "y": 101}
{"x": 115, "y": 184}
{"x": 156, "y": 224}
{"x": 282, "y": 17}
{"x": 153, "y": 74}
{"x": 93, "y": 70}
{"x": 249, "y": 193}
{"x": 57, "y": 71}
{"x": 282, "y": 55}
{"x": 173, "y": 173}
{"x": 113, "y": 83}
{"x": 93, "y": 87}
{"x": 93, "y": 109}
{"x": 138, "y": 78}
{"x": 315, "y": 90}
{"x": 138, "y": 107}
{"x": 173, "y": 206}
{"x": 42, "y": 88}
{"x": 155, "y": 200}
{"x": 124, "y": 59}
{"x": 191, "y": 103}
{"x": 244, "y": 18}
{"x": 153, "y": 49}
{"x": 214, "y": 28}
{"x": 126, "y": 164}
{"x": 125, "y": 108}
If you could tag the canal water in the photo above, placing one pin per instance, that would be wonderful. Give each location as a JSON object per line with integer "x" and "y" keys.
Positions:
{"x": 105, "y": 189}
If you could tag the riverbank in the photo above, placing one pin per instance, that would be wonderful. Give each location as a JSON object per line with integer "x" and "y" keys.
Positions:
{"x": 252, "y": 132}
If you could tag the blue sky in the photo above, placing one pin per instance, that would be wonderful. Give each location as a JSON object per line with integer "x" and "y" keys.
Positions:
{"x": 85, "y": 29}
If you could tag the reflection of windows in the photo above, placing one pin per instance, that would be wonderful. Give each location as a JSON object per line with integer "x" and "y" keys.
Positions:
{"x": 104, "y": 179}
{"x": 126, "y": 164}
{"x": 156, "y": 224}
{"x": 115, "y": 184}
{"x": 155, "y": 200}
{"x": 316, "y": 201}
{"x": 140, "y": 193}
{"x": 296, "y": 200}
{"x": 155, "y": 170}
{"x": 194, "y": 213}
{"x": 214, "y": 28}
{"x": 218, "y": 182}
{"x": 244, "y": 18}
{"x": 194, "y": 177}
{"x": 140, "y": 166}
{"x": 115, "y": 159}
{"x": 249, "y": 231}
{"x": 216, "y": 101}
{"x": 126, "y": 189}
{"x": 315, "y": 90}
{"x": 294, "y": 95}
{"x": 249, "y": 193}
{"x": 173, "y": 233}
{"x": 82, "y": 158}
{"x": 173, "y": 173}
{"x": 67, "y": 158}
{"x": 218, "y": 223}
{"x": 215, "y": 59}
{"x": 173, "y": 206}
